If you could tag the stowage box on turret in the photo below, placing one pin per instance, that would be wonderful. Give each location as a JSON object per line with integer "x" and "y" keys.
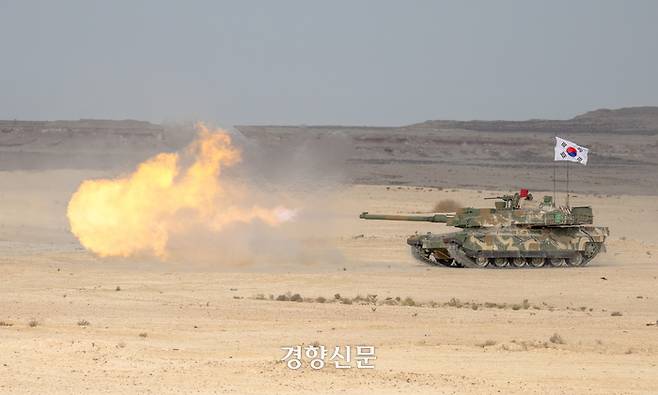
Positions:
{"x": 518, "y": 232}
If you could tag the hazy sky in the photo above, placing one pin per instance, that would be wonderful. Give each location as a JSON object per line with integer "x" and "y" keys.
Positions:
{"x": 348, "y": 62}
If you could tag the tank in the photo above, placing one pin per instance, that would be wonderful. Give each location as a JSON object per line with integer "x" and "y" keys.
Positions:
{"x": 517, "y": 232}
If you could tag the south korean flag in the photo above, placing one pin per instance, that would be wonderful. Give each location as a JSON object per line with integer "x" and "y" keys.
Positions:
{"x": 566, "y": 150}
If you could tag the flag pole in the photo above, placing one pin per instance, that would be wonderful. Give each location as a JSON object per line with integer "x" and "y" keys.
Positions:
{"x": 554, "y": 183}
{"x": 568, "y": 166}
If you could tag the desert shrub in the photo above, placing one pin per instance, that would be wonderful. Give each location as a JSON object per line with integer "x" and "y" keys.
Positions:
{"x": 320, "y": 299}
{"x": 346, "y": 301}
{"x": 296, "y": 298}
{"x": 282, "y": 298}
{"x": 408, "y": 302}
{"x": 143, "y": 334}
{"x": 487, "y": 343}
{"x": 616, "y": 314}
{"x": 83, "y": 323}
{"x": 556, "y": 339}
{"x": 454, "y": 302}
{"x": 33, "y": 323}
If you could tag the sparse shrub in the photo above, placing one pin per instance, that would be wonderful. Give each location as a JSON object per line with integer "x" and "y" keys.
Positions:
{"x": 487, "y": 343}
{"x": 143, "y": 334}
{"x": 616, "y": 314}
{"x": 346, "y": 301}
{"x": 390, "y": 302}
{"x": 475, "y": 306}
{"x": 516, "y": 307}
{"x": 320, "y": 299}
{"x": 118, "y": 288}
{"x": 121, "y": 345}
{"x": 556, "y": 339}
{"x": 490, "y": 305}
{"x": 446, "y": 206}
{"x": 260, "y": 297}
{"x": 33, "y": 323}
{"x": 525, "y": 304}
{"x": 408, "y": 302}
{"x": 296, "y": 298}
{"x": 83, "y": 323}
{"x": 629, "y": 351}
{"x": 282, "y": 298}
{"x": 337, "y": 296}
{"x": 454, "y": 302}
{"x": 5, "y": 323}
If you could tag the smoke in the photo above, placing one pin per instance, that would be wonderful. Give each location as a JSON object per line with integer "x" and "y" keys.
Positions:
{"x": 223, "y": 200}
{"x": 138, "y": 213}
{"x": 447, "y": 206}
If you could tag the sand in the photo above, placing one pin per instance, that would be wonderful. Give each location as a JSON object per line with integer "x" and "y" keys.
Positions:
{"x": 142, "y": 326}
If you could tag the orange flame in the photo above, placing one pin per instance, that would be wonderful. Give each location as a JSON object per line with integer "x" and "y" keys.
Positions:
{"x": 138, "y": 213}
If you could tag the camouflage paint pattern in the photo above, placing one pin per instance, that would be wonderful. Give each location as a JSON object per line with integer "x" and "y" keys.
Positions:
{"x": 509, "y": 231}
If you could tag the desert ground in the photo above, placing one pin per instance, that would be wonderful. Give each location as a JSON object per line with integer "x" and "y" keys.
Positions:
{"x": 213, "y": 316}
{"x": 74, "y": 322}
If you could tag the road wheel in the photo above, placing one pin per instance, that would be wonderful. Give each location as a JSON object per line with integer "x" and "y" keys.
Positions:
{"x": 557, "y": 262}
{"x": 518, "y": 262}
{"x": 501, "y": 262}
{"x": 576, "y": 260}
{"x": 537, "y": 262}
{"x": 482, "y": 261}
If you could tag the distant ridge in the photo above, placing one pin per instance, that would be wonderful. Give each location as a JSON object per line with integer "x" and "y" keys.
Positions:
{"x": 638, "y": 120}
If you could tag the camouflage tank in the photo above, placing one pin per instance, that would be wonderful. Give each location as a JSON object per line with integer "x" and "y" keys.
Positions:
{"x": 517, "y": 232}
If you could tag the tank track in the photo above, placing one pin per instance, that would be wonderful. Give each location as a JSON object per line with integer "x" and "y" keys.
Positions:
{"x": 427, "y": 257}
{"x": 461, "y": 259}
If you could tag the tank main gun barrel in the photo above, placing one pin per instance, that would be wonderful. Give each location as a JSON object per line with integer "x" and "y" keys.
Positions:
{"x": 420, "y": 218}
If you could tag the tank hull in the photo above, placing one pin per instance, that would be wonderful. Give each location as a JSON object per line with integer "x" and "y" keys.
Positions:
{"x": 511, "y": 246}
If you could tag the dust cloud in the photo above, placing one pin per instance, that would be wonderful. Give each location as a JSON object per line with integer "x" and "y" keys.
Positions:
{"x": 222, "y": 201}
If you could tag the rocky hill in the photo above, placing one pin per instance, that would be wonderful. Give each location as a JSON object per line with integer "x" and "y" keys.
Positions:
{"x": 636, "y": 120}
{"x": 474, "y": 154}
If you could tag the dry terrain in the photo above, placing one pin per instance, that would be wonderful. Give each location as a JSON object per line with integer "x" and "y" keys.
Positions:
{"x": 73, "y": 322}
{"x": 76, "y": 323}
